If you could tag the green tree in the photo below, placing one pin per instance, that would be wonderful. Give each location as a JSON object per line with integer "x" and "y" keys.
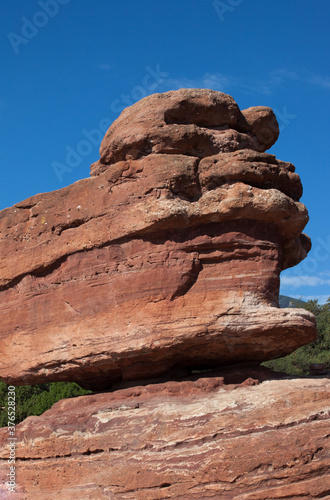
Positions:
{"x": 318, "y": 351}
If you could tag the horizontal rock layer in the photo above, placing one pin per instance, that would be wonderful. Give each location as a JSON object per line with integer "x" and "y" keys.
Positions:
{"x": 135, "y": 197}
{"x": 148, "y": 305}
{"x": 184, "y": 440}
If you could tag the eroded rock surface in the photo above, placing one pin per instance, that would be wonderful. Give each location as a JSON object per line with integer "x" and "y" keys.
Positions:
{"x": 194, "y": 439}
{"x": 168, "y": 256}
{"x": 193, "y": 122}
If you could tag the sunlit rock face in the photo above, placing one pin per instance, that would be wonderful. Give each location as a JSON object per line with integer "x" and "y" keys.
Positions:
{"x": 193, "y": 439}
{"x": 168, "y": 256}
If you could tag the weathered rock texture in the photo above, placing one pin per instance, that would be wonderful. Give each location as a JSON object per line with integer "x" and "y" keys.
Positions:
{"x": 179, "y": 440}
{"x": 168, "y": 256}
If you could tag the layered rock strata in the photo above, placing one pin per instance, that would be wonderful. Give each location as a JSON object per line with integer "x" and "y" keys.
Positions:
{"x": 167, "y": 257}
{"x": 194, "y": 439}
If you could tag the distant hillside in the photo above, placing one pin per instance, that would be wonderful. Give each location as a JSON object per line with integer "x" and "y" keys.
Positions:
{"x": 290, "y": 302}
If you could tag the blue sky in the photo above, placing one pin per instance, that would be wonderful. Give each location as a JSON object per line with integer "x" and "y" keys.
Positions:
{"x": 70, "y": 66}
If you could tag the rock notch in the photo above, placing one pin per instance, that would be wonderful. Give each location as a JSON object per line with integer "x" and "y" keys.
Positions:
{"x": 167, "y": 257}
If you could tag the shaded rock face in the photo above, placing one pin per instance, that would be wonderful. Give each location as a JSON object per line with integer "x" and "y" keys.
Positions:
{"x": 194, "y": 439}
{"x": 168, "y": 256}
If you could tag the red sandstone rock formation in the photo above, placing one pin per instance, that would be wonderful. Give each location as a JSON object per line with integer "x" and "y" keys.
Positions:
{"x": 166, "y": 259}
{"x": 179, "y": 440}
{"x": 168, "y": 256}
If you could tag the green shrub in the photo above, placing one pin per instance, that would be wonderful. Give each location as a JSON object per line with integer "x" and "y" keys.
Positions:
{"x": 36, "y": 399}
{"x": 318, "y": 351}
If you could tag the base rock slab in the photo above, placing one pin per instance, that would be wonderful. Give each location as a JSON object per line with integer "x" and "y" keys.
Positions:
{"x": 183, "y": 440}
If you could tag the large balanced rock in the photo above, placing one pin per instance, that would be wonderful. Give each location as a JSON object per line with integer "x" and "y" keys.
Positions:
{"x": 168, "y": 256}
{"x": 195, "y": 439}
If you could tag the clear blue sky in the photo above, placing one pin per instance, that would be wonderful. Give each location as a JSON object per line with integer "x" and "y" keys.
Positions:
{"x": 70, "y": 65}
